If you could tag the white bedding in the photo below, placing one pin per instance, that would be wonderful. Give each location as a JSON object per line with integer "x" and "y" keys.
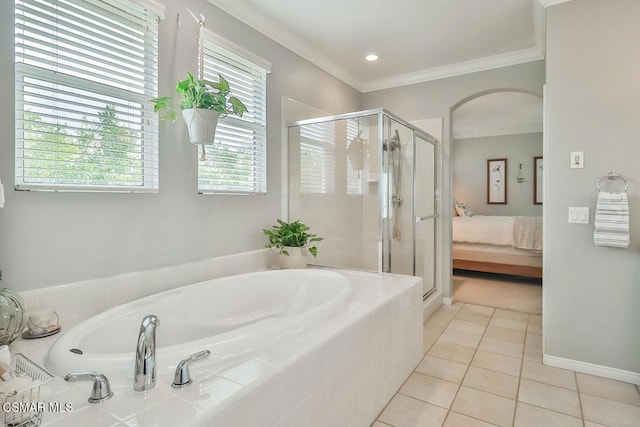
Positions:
{"x": 492, "y": 230}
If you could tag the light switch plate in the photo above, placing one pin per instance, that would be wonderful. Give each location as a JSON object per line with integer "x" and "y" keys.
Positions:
{"x": 577, "y": 159}
{"x": 578, "y": 215}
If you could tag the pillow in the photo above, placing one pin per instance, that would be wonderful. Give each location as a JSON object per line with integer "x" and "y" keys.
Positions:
{"x": 463, "y": 210}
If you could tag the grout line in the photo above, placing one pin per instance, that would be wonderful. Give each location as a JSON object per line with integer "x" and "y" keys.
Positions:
{"x": 468, "y": 365}
{"x": 575, "y": 377}
{"x": 524, "y": 348}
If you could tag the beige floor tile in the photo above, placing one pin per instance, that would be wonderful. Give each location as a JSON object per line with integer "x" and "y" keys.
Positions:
{"x": 427, "y": 343}
{"x": 467, "y": 326}
{"x": 455, "y": 352}
{"x": 608, "y": 389}
{"x": 474, "y": 317}
{"x": 510, "y": 314}
{"x": 428, "y": 389}
{"x": 501, "y": 322}
{"x": 478, "y": 309}
{"x": 590, "y": 424}
{"x": 535, "y": 320}
{"x": 438, "y": 321}
{"x": 431, "y": 335}
{"x": 379, "y": 424}
{"x": 534, "y": 329}
{"x": 549, "y": 397}
{"x": 533, "y": 416}
{"x": 462, "y": 338}
{"x": 501, "y": 347}
{"x": 548, "y": 375}
{"x": 453, "y": 308}
{"x": 533, "y": 350}
{"x": 536, "y": 357}
{"x": 497, "y": 362}
{"x": 458, "y": 420}
{"x": 505, "y": 334}
{"x": 609, "y": 412}
{"x": 492, "y": 382}
{"x": 442, "y": 368}
{"x": 405, "y": 411}
{"x": 534, "y": 340}
{"x": 484, "y": 406}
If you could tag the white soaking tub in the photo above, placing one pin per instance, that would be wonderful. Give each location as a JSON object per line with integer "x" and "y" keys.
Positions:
{"x": 229, "y": 316}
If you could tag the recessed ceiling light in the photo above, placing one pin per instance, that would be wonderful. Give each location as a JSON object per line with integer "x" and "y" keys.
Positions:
{"x": 371, "y": 57}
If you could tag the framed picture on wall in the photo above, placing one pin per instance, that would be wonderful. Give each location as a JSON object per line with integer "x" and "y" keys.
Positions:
{"x": 537, "y": 180}
{"x": 497, "y": 181}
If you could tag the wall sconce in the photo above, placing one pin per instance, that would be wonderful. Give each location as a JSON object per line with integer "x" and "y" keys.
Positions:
{"x": 520, "y": 175}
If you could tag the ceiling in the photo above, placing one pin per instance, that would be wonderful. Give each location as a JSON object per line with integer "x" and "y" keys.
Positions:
{"x": 417, "y": 40}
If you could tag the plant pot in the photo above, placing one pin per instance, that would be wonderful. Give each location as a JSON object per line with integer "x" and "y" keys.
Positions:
{"x": 297, "y": 258}
{"x": 201, "y": 124}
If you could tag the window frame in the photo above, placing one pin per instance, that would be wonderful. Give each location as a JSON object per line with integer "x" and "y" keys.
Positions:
{"x": 215, "y": 48}
{"x": 142, "y": 15}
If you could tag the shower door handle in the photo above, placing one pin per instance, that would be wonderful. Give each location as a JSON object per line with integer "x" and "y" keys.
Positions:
{"x": 424, "y": 218}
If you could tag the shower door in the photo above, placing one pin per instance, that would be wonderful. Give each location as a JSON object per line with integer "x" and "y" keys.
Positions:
{"x": 425, "y": 213}
{"x": 408, "y": 211}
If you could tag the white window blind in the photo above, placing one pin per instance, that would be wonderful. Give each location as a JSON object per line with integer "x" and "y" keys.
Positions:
{"x": 317, "y": 158}
{"x": 85, "y": 72}
{"x": 236, "y": 163}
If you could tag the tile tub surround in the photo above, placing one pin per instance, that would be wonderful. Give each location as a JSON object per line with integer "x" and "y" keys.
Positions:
{"x": 341, "y": 373}
{"x": 79, "y": 300}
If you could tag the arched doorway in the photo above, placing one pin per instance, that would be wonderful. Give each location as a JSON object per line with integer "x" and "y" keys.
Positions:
{"x": 499, "y": 128}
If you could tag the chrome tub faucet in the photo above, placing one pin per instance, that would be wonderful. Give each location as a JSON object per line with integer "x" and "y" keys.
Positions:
{"x": 144, "y": 378}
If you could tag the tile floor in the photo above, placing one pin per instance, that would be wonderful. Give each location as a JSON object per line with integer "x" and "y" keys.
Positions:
{"x": 483, "y": 367}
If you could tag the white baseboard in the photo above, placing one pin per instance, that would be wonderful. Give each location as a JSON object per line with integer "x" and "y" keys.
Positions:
{"x": 590, "y": 368}
{"x": 447, "y": 301}
{"x": 430, "y": 305}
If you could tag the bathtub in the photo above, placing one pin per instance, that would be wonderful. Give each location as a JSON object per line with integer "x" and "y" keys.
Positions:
{"x": 229, "y": 316}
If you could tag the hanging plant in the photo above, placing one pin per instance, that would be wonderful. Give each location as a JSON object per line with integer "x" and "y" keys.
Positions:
{"x": 202, "y": 104}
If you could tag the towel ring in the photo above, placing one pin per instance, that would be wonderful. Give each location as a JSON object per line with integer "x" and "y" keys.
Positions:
{"x": 612, "y": 176}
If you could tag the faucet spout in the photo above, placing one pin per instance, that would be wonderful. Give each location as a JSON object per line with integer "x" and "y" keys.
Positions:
{"x": 144, "y": 378}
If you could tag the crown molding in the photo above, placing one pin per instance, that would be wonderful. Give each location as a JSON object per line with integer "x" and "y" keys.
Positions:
{"x": 466, "y": 67}
{"x": 291, "y": 41}
{"x": 547, "y": 3}
{"x": 286, "y": 38}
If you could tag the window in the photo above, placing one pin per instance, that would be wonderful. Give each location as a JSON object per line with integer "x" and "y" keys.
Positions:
{"x": 85, "y": 71}
{"x": 317, "y": 158}
{"x": 236, "y": 163}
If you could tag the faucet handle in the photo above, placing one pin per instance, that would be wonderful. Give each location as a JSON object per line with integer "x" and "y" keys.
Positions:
{"x": 182, "y": 377}
{"x": 101, "y": 390}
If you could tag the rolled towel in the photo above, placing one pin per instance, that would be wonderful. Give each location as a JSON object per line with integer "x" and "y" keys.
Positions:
{"x": 611, "y": 225}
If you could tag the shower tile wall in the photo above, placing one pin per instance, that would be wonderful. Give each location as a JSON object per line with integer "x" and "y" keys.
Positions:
{"x": 343, "y": 208}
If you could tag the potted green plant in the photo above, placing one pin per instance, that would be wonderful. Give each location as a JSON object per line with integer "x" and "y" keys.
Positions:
{"x": 293, "y": 241}
{"x": 203, "y": 103}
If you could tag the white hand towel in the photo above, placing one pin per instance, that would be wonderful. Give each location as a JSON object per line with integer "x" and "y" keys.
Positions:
{"x": 1, "y": 195}
{"x": 611, "y": 225}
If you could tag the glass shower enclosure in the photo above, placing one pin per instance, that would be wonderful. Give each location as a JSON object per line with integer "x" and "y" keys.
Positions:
{"x": 366, "y": 182}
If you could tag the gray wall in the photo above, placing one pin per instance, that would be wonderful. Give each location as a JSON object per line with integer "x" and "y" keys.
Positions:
{"x": 437, "y": 99}
{"x": 53, "y": 238}
{"x": 591, "y": 294}
{"x": 470, "y": 172}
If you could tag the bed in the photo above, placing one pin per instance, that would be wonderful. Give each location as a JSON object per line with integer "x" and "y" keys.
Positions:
{"x": 498, "y": 244}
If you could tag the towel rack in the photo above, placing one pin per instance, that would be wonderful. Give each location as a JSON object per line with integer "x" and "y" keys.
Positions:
{"x": 612, "y": 176}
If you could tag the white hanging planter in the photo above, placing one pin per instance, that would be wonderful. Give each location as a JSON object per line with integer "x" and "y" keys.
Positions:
{"x": 201, "y": 124}
{"x": 297, "y": 258}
